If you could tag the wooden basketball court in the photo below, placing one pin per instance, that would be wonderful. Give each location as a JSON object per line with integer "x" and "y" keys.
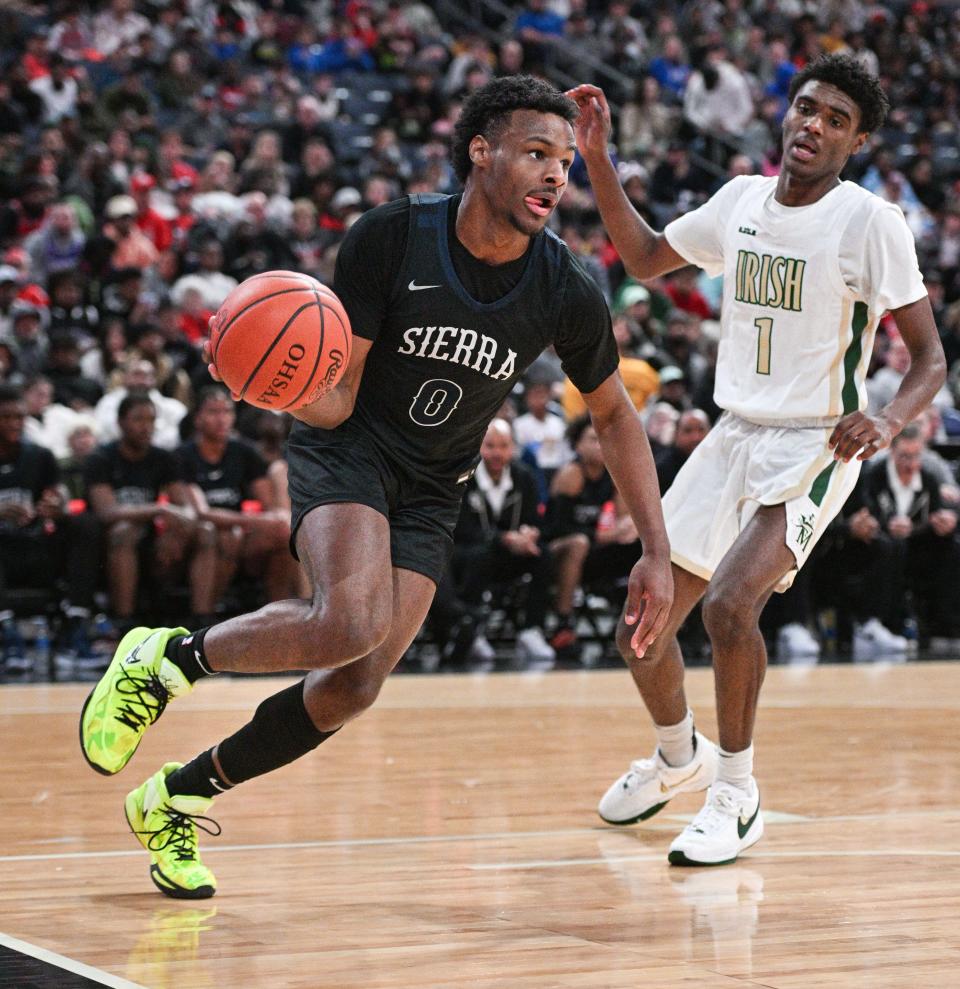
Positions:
{"x": 448, "y": 838}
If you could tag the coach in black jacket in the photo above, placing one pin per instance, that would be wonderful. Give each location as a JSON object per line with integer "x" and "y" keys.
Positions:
{"x": 497, "y": 538}
{"x": 901, "y": 537}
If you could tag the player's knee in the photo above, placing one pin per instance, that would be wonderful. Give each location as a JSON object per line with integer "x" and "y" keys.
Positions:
{"x": 725, "y": 614}
{"x": 205, "y": 535}
{"x": 124, "y": 535}
{"x": 356, "y": 692}
{"x": 624, "y": 636}
{"x": 344, "y": 630}
{"x": 579, "y": 546}
{"x": 229, "y": 542}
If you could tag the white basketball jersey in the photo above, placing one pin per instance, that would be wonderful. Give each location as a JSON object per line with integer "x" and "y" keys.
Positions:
{"x": 803, "y": 290}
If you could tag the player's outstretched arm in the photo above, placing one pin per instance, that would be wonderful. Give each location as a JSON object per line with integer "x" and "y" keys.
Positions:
{"x": 869, "y": 434}
{"x": 626, "y": 452}
{"x": 645, "y": 252}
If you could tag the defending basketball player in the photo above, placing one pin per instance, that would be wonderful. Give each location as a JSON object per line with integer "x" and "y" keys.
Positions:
{"x": 450, "y": 298}
{"x": 810, "y": 264}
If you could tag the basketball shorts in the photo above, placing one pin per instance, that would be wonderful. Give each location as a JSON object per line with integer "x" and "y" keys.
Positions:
{"x": 344, "y": 465}
{"x": 740, "y": 466}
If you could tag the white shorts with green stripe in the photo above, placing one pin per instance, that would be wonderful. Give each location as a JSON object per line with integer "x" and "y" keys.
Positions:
{"x": 740, "y": 466}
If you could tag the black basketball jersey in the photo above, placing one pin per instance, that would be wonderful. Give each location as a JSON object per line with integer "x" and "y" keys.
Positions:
{"x": 25, "y": 477}
{"x": 589, "y": 503}
{"x": 134, "y": 482}
{"x": 225, "y": 483}
{"x": 443, "y": 362}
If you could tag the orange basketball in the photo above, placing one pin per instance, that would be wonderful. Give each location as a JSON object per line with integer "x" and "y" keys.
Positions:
{"x": 280, "y": 340}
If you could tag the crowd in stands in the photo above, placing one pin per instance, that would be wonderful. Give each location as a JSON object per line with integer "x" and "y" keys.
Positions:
{"x": 155, "y": 154}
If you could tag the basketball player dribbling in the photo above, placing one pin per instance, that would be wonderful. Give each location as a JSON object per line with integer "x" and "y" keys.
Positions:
{"x": 810, "y": 264}
{"x": 450, "y": 299}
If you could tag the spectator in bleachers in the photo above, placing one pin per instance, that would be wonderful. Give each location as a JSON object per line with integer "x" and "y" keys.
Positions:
{"x": 70, "y": 386}
{"x": 717, "y": 100}
{"x": 674, "y": 389}
{"x": 671, "y": 68}
{"x": 41, "y": 546}
{"x": 646, "y": 123}
{"x": 132, "y": 248}
{"x": 139, "y": 375}
{"x": 583, "y": 502}
{"x": 28, "y": 337}
{"x": 81, "y": 441}
{"x": 209, "y": 278}
{"x": 498, "y": 539}
{"x": 680, "y": 347}
{"x": 156, "y": 227}
{"x": 692, "y": 427}
{"x": 229, "y": 487}
{"x": 57, "y": 88}
{"x": 21, "y": 216}
{"x": 135, "y": 490}
{"x": 109, "y": 355}
{"x": 540, "y": 433}
{"x": 68, "y": 309}
{"x": 123, "y": 294}
{"x": 899, "y": 529}
{"x": 117, "y": 29}
{"x": 884, "y": 384}
{"x": 538, "y": 28}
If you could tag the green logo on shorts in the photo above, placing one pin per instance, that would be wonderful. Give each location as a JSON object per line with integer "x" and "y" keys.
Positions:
{"x": 805, "y": 530}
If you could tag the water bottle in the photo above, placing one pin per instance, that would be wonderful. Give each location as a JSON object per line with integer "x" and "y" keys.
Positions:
{"x": 41, "y": 638}
{"x": 911, "y": 632}
{"x": 14, "y": 648}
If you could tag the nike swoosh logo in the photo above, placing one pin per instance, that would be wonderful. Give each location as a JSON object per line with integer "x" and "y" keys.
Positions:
{"x": 134, "y": 656}
{"x": 414, "y": 287}
{"x": 686, "y": 779}
{"x": 744, "y": 826}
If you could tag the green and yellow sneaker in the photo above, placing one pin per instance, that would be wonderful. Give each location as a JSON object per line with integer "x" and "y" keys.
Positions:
{"x": 167, "y": 828}
{"x": 131, "y": 695}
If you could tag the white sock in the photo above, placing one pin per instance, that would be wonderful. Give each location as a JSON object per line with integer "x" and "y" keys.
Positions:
{"x": 736, "y": 768}
{"x": 675, "y": 742}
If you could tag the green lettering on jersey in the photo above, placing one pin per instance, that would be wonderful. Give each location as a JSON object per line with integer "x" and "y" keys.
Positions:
{"x": 772, "y": 281}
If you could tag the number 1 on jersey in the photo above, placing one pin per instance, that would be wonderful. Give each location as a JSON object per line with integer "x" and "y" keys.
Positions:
{"x": 764, "y": 325}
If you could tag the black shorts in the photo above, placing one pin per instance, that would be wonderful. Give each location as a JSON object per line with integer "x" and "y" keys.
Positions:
{"x": 344, "y": 465}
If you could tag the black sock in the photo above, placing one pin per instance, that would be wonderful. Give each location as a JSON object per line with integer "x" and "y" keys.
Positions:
{"x": 186, "y": 652}
{"x": 198, "y": 778}
{"x": 280, "y": 732}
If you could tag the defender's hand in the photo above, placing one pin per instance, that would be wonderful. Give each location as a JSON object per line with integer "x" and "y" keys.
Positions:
{"x": 857, "y": 431}
{"x": 593, "y": 127}
{"x": 649, "y": 597}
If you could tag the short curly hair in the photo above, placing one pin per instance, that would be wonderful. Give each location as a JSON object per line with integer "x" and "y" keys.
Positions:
{"x": 850, "y": 77}
{"x": 487, "y": 111}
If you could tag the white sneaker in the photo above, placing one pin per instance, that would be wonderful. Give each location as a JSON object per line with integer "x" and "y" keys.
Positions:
{"x": 941, "y": 645}
{"x": 533, "y": 648}
{"x": 481, "y": 651}
{"x": 796, "y": 641}
{"x": 872, "y": 640}
{"x": 729, "y": 823}
{"x": 650, "y": 784}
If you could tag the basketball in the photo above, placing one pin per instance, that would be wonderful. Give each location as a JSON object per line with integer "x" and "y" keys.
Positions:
{"x": 280, "y": 340}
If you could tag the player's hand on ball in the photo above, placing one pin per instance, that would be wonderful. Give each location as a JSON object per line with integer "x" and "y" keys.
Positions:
{"x": 858, "y": 431}
{"x": 207, "y": 355}
{"x": 649, "y": 597}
